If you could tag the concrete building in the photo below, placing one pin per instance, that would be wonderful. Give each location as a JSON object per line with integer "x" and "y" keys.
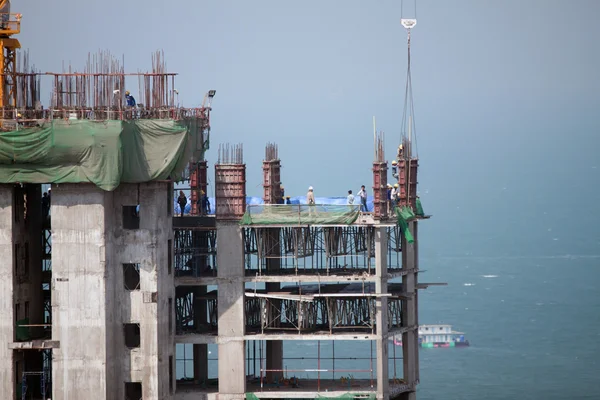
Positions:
{"x": 292, "y": 273}
{"x": 100, "y": 281}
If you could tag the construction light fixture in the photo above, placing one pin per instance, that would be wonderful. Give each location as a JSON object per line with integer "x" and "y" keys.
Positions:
{"x": 211, "y": 93}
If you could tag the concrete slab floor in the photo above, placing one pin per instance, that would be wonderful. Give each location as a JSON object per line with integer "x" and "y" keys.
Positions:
{"x": 308, "y": 388}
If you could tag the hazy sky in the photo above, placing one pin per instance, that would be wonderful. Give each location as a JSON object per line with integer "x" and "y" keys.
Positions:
{"x": 506, "y": 92}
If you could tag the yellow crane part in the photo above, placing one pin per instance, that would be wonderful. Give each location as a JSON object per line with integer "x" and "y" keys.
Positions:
{"x": 10, "y": 24}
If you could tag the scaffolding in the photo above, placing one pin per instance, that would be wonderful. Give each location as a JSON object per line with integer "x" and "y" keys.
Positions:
{"x": 318, "y": 250}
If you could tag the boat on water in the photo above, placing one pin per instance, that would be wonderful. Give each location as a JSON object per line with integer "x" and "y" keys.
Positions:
{"x": 438, "y": 336}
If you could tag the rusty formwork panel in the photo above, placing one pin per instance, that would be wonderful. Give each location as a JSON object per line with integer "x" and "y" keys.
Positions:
{"x": 272, "y": 181}
{"x": 198, "y": 183}
{"x": 230, "y": 191}
{"x": 380, "y": 209}
{"x": 407, "y": 181}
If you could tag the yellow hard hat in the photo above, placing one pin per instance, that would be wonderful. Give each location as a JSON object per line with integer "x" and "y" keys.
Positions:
{"x": 202, "y": 192}
{"x": 389, "y": 185}
{"x": 396, "y": 185}
{"x": 19, "y": 115}
{"x": 394, "y": 162}
{"x": 127, "y": 92}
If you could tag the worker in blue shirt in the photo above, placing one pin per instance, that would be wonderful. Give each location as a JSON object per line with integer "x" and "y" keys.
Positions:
{"x": 130, "y": 99}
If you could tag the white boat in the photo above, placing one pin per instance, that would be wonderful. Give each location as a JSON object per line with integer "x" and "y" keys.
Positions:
{"x": 438, "y": 336}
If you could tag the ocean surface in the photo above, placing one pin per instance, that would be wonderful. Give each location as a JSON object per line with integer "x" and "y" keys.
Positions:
{"x": 533, "y": 323}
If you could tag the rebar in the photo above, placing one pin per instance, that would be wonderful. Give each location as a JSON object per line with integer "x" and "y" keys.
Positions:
{"x": 271, "y": 152}
{"x": 97, "y": 92}
{"x": 231, "y": 154}
{"x": 379, "y": 149}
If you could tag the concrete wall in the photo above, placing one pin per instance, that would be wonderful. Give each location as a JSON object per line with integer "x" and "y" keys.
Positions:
{"x": 90, "y": 302}
{"x": 81, "y": 261}
{"x": 7, "y": 318}
{"x": 148, "y": 306}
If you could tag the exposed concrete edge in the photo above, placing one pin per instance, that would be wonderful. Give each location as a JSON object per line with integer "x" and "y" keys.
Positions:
{"x": 35, "y": 344}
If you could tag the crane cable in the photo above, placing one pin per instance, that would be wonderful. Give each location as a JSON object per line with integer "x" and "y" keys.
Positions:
{"x": 408, "y": 120}
{"x": 408, "y": 116}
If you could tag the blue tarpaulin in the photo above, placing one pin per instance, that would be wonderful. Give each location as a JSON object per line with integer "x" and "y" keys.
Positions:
{"x": 294, "y": 200}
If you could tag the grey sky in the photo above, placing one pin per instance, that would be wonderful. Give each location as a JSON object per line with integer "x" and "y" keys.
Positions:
{"x": 506, "y": 92}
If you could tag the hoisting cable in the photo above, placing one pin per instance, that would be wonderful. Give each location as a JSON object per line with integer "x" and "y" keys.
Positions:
{"x": 408, "y": 123}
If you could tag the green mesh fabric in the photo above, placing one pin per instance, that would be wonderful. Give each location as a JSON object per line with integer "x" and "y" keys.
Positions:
{"x": 300, "y": 214}
{"x": 404, "y": 214}
{"x": 104, "y": 153}
{"x": 419, "y": 208}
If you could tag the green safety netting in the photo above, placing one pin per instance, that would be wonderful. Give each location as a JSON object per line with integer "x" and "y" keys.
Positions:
{"x": 419, "y": 208}
{"x": 300, "y": 214}
{"x": 346, "y": 396}
{"x": 404, "y": 214}
{"x": 104, "y": 153}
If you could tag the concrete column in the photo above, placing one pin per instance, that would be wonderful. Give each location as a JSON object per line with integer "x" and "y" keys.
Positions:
{"x": 230, "y": 262}
{"x": 81, "y": 251}
{"x": 7, "y": 317}
{"x": 200, "y": 352}
{"x": 200, "y": 363}
{"x": 274, "y": 348}
{"x": 410, "y": 339}
{"x": 381, "y": 305}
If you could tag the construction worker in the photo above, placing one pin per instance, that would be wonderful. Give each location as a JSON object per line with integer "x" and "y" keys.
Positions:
{"x": 129, "y": 99}
{"x": 394, "y": 194}
{"x": 45, "y": 205}
{"x": 182, "y": 201}
{"x": 203, "y": 203}
{"x": 400, "y": 152}
{"x": 288, "y": 200}
{"x": 389, "y": 197}
{"x": 310, "y": 200}
{"x": 350, "y": 198}
{"x": 363, "y": 199}
{"x": 310, "y": 196}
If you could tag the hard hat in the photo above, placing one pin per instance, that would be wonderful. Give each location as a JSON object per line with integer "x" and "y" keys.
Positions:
{"x": 310, "y": 188}
{"x": 389, "y": 185}
{"x": 19, "y": 115}
{"x": 396, "y": 185}
{"x": 394, "y": 162}
{"x": 401, "y": 147}
{"x": 281, "y": 186}
{"x": 287, "y": 197}
{"x": 127, "y": 92}
{"x": 202, "y": 192}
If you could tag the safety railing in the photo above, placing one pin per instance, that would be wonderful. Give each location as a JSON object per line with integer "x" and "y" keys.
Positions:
{"x": 10, "y": 24}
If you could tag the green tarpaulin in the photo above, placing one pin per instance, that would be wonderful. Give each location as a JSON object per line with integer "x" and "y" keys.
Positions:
{"x": 419, "y": 208}
{"x": 104, "y": 153}
{"x": 404, "y": 214}
{"x": 300, "y": 214}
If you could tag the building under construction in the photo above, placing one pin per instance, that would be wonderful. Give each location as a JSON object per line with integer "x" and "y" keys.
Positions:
{"x": 100, "y": 279}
